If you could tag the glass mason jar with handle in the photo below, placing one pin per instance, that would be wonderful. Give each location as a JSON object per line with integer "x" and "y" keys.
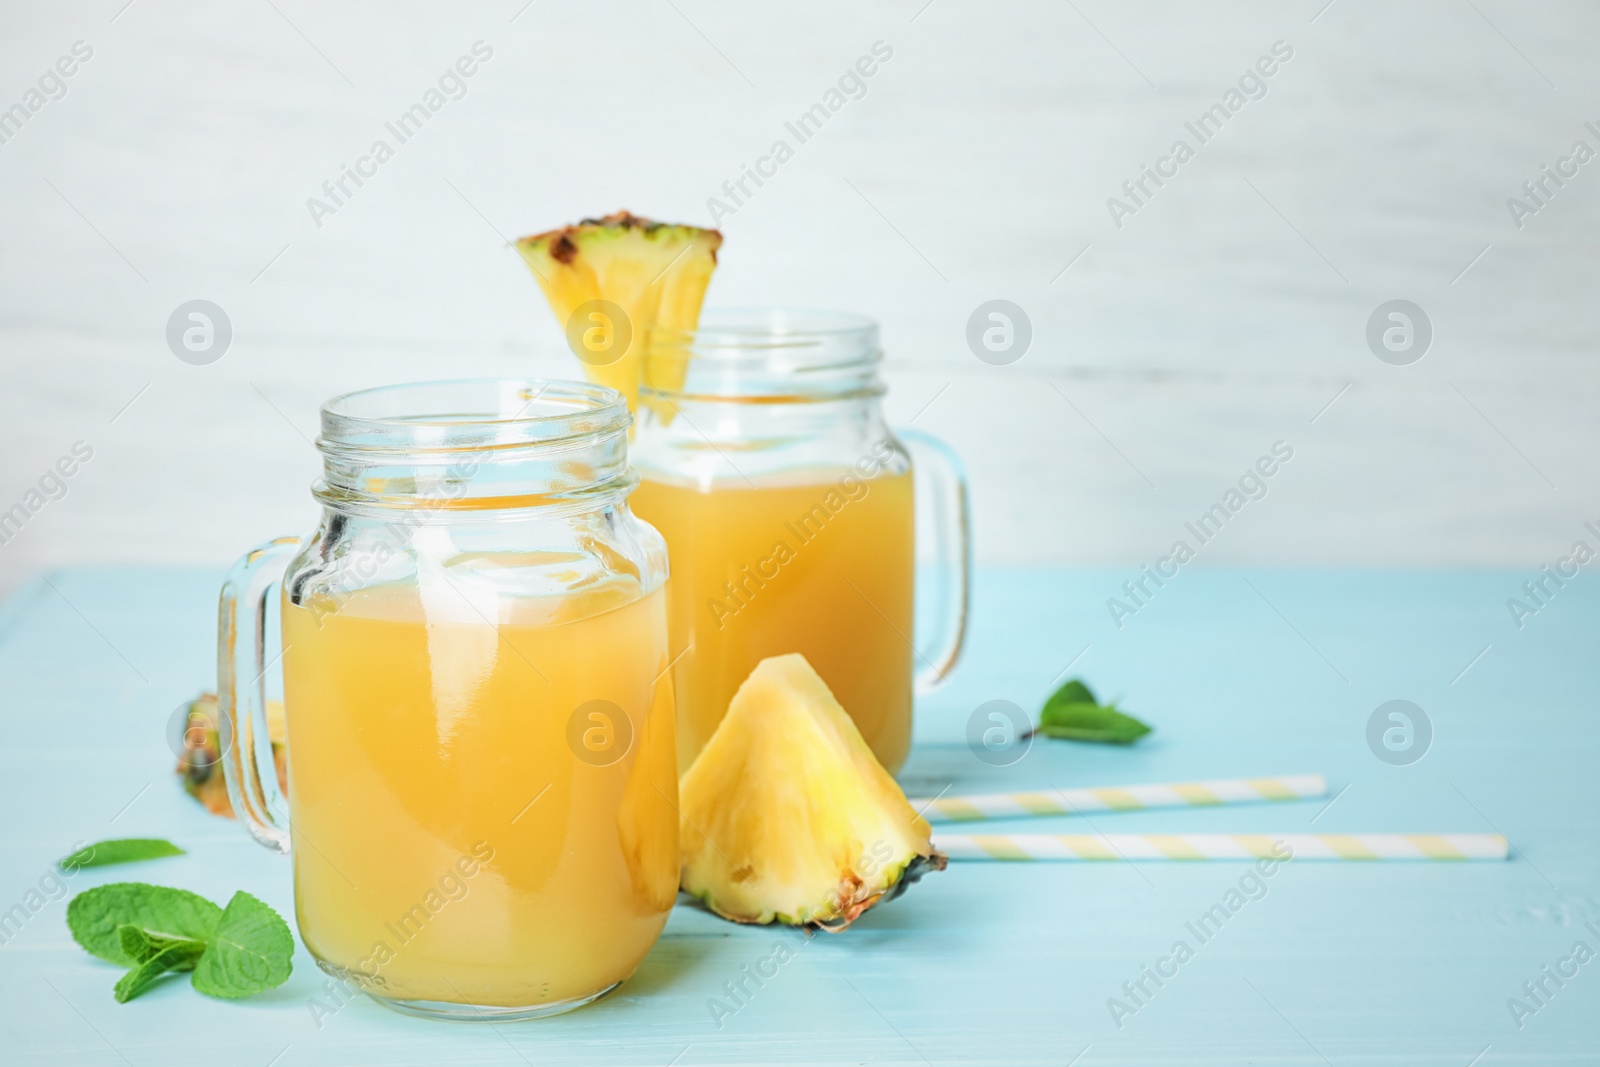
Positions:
{"x": 788, "y": 509}
{"x": 479, "y": 720}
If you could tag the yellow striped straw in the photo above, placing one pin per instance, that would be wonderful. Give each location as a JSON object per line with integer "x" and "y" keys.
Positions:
{"x": 1191, "y": 847}
{"x": 1122, "y": 798}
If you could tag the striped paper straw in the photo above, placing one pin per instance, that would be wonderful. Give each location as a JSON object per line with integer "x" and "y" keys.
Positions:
{"x": 1122, "y": 798}
{"x": 1113, "y": 847}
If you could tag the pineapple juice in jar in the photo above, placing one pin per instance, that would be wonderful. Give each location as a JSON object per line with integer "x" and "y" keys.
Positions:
{"x": 819, "y": 562}
{"x": 480, "y": 722}
{"x": 789, "y": 514}
{"x": 449, "y": 842}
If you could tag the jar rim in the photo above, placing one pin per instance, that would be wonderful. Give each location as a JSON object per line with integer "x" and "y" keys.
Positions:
{"x": 764, "y": 355}
{"x": 470, "y": 414}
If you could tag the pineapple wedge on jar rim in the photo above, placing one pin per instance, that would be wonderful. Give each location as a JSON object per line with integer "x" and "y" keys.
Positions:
{"x": 654, "y": 274}
{"x": 786, "y": 814}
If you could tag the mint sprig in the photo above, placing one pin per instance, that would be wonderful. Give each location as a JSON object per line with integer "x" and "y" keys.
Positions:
{"x": 119, "y": 850}
{"x": 1073, "y": 713}
{"x": 154, "y": 929}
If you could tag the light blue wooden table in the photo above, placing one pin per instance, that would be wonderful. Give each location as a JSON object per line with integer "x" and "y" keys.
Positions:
{"x": 1242, "y": 673}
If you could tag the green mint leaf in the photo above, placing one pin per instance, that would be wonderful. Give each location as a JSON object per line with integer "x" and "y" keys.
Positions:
{"x": 177, "y": 956}
{"x": 140, "y": 946}
{"x": 249, "y": 952}
{"x": 119, "y": 850}
{"x": 1072, "y": 691}
{"x": 1090, "y": 722}
{"x": 1072, "y": 712}
{"x": 94, "y": 915}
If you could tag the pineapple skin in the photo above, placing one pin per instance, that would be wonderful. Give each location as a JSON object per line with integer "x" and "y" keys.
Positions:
{"x": 655, "y": 272}
{"x": 788, "y": 817}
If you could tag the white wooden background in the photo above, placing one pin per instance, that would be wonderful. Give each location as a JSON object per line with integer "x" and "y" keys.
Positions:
{"x": 1224, "y": 316}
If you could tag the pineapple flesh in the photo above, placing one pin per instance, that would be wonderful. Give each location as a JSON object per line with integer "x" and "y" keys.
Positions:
{"x": 654, "y": 273}
{"x": 786, "y": 814}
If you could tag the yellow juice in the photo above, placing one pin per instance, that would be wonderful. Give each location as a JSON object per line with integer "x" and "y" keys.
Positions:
{"x": 820, "y": 563}
{"x": 448, "y": 843}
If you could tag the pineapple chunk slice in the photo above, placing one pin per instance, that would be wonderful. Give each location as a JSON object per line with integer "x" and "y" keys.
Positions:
{"x": 655, "y": 273}
{"x": 788, "y": 816}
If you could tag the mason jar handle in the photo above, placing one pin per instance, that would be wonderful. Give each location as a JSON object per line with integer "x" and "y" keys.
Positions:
{"x": 947, "y": 479}
{"x": 242, "y": 667}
